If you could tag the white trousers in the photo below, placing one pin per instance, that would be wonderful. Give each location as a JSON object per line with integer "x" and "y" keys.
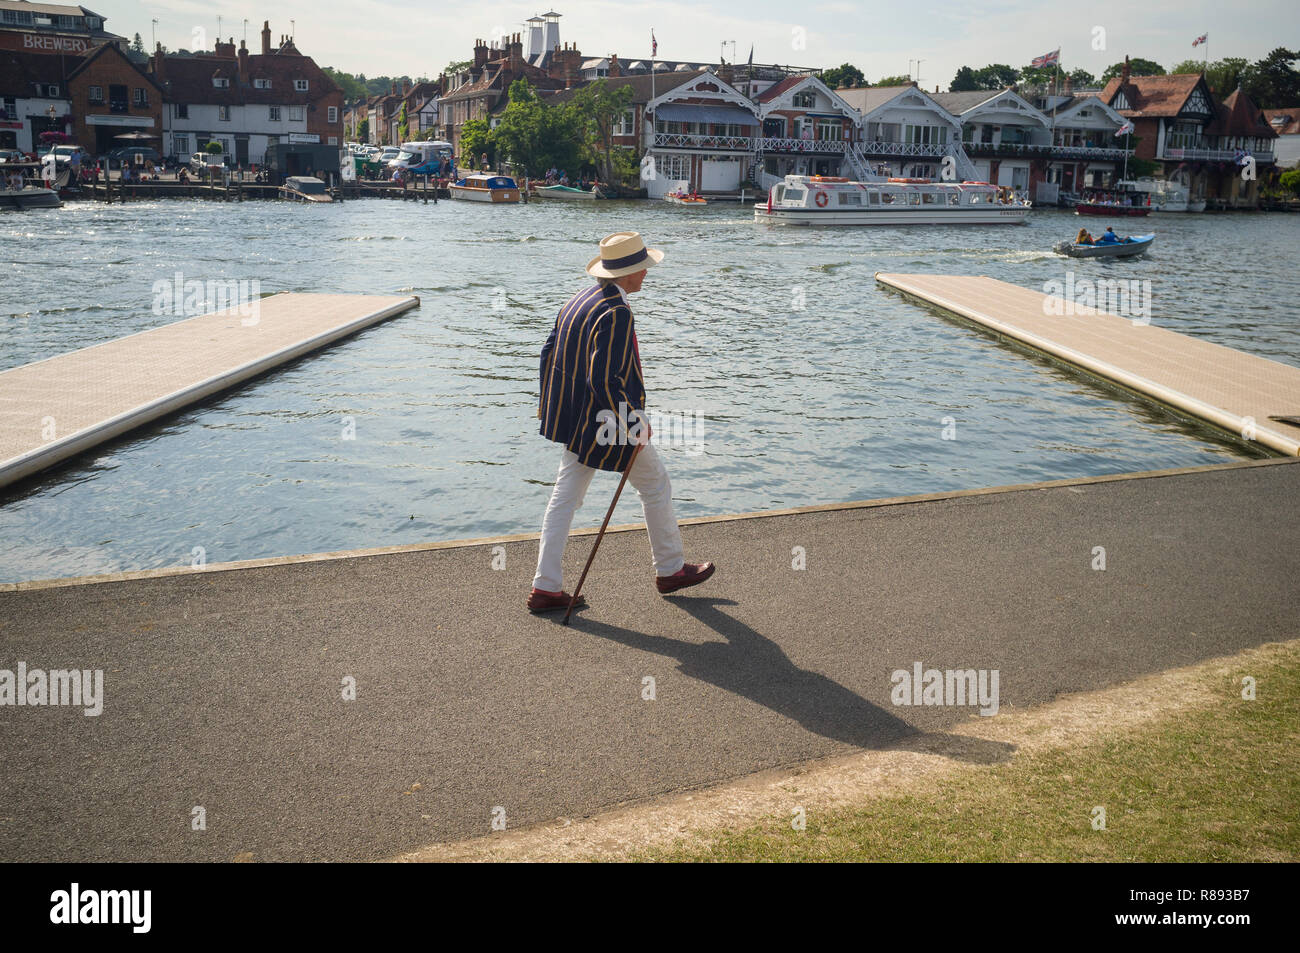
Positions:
{"x": 650, "y": 479}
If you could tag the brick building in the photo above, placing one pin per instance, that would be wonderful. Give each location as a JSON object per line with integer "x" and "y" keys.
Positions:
{"x": 111, "y": 96}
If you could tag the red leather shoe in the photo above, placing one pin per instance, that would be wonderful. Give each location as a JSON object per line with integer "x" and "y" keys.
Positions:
{"x": 691, "y": 574}
{"x": 539, "y": 600}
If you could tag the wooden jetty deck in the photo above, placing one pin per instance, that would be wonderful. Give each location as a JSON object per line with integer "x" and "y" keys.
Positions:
{"x": 1241, "y": 393}
{"x": 53, "y": 409}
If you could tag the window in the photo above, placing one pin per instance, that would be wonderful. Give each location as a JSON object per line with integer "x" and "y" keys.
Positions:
{"x": 261, "y": 84}
{"x": 116, "y": 98}
{"x": 9, "y": 108}
{"x": 300, "y": 85}
{"x": 333, "y": 114}
{"x": 274, "y": 115}
{"x": 805, "y": 100}
{"x": 929, "y": 198}
{"x": 223, "y": 113}
{"x": 52, "y": 90}
{"x": 141, "y": 97}
{"x": 873, "y": 197}
{"x": 295, "y": 113}
{"x": 181, "y": 145}
{"x": 97, "y": 94}
{"x": 624, "y": 126}
{"x": 220, "y": 82}
{"x": 830, "y": 130}
{"x": 182, "y": 111}
{"x": 333, "y": 140}
{"x": 850, "y": 198}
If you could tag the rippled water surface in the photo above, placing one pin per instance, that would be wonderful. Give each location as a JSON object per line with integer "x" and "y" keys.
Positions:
{"x": 841, "y": 399}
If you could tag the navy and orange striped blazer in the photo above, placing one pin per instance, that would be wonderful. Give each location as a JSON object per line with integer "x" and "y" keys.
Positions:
{"x": 590, "y": 364}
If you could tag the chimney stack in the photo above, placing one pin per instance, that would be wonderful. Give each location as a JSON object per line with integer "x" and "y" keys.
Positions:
{"x": 615, "y": 68}
{"x": 158, "y": 65}
{"x": 516, "y": 50}
{"x": 243, "y": 63}
{"x": 266, "y": 37}
{"x": 1123, "y": 76}
{"x": 406, "y": 88}
{"x": 480, "y": 54}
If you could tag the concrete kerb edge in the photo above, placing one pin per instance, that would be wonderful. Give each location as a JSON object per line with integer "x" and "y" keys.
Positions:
{"x": 273, "y": 561}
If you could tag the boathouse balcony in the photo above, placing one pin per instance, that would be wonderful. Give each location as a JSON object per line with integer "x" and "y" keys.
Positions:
{"x": 802, "y": 146}
{"x": 716, "y": 143}
{"x": 884, "y": 147}
{"x": 1204, "y": 151}
{"x": 1043, "y": 150}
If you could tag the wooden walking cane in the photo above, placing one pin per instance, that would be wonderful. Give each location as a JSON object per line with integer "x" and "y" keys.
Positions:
{"x": 601, "y": 535}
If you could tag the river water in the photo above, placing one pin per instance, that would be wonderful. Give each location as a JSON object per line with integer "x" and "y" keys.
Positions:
{"x": 810, "y": 383}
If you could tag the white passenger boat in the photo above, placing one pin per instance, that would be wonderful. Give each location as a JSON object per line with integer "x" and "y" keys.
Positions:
{"x": 484, "y": 187}
{"x": 830, "y": 200}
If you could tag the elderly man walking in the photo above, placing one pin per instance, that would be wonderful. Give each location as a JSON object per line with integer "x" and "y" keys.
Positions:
{"x": 593, "y": 402}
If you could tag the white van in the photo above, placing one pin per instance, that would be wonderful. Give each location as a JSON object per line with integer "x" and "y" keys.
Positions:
{"x": 415, "y": 154}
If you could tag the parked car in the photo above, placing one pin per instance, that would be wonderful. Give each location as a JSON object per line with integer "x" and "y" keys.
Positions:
{"x": 202, "y": 161}
{"x": 12, "y": 155}
{"x": 63, "y": 153}
{"x": 133, "y": 154}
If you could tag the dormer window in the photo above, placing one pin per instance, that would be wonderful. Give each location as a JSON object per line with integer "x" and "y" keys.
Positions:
{"x": 1120, "y": 101}
{"x": 1196, "y": 103}
{"x": 300, "y": 85}
{"x": 220, "y": 82}
{"x": 261, "y": 84}
{"x": 805, "y": 100}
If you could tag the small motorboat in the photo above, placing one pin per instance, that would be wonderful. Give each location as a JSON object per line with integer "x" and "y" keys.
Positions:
{"x": 565, "y": 192}
{"x": 27, "y": 195}
{"x": 484, "y": 187}
{"x": 305, "y": 188}
{"x": 682, "y": 197}
{"x": 1124, "y": 248}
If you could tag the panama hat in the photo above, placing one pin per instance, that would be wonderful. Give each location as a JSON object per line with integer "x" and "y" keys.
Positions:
{"x": 623, "y": 253}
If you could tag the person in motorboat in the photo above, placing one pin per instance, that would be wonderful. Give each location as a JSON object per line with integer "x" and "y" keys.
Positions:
{"x": 1109, "y": 237}
{"x": 1084, "y": 238}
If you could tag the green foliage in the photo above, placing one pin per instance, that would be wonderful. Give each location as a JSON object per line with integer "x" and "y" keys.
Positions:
{"x": 475, "y": 139}
{"x": 354, "y": 87}
{"x": 894, "y": 81}
{"x": 1140, "y": 168}
{"x": 213, "y": 148}
{"x": 363, "y": 131}
{"x": 137, "y": 44}
{"x": 1081, "y": 77}
{"x": 597, "y": 109}
{"x": 964, "y": 81}
{"x": 1136, "y": 67}
{"x": 534, "y": 135}
{"x": 1290, "y": 181}
{"x": 457, "y": 66}
{"x": 846, "y": 74}
{"x": 1273, "y": 82}
{"x": 403, "y": 126}
{"x": 993, "y": 76}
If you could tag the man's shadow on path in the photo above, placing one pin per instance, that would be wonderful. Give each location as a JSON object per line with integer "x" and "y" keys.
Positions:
{"x": 753, "y": 666}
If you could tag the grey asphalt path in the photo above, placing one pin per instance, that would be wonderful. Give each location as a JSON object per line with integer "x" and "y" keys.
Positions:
{"x": 223, "y": 688}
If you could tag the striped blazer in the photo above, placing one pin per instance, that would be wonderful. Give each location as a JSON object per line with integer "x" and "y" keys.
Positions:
{"x": 590, "y": 366}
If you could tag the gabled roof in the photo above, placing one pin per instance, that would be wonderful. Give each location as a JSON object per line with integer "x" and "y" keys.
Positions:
{"x": 110, "y": 49}
{"x": 640, "y": 85}
{"x": 1155, "y": 95}
{"x": 769, "y": 94}
{"x": 958, "y": 103}
{"x": 1067, "y": 107}
{"x": 20, "y": 71}
{"x": 871, "y": 99}
{"x": 1239, "y": 116}
{"x": 189, "y": 80}
{"x": 1285, "y": 122}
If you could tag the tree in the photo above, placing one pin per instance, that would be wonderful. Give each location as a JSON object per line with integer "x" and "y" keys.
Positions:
{"x": 1041, "y": 76}
{"x": 363, "y": 131}
{"x": 534, "y": 135}
{"x": 996, "y": 76}
{"x": 213, "y": 148}
{"x": 600, "y": 108}
{"x": 1291, "y": 181}
{"x": 457, "y": 66}
{"x": 1273, "y": 82}
{"x": 137, "y": 45}
{"x": 1136, "y": 67}
{"x": 403, "y": 126}
{"x": 1081, "y": 78}
{"x": 964, "y": 81}
{"x": 475, "y": 140}
{"x": 846, "y": 74}
{"x": 354, "y": 87}
{"x": 895, "y": 81}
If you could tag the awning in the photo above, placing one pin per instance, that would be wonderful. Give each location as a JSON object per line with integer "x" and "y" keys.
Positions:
{"x": 825, "y": 115}
{"x": 679, "y": 112}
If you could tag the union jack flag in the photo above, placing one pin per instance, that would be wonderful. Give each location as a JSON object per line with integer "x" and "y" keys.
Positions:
{"x": 654, "y": 44}
{"x": 1203, "y": 38}
{"x": 1047, "y": 59}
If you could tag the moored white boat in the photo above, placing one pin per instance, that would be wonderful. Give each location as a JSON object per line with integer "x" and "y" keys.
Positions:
{"x": 484, "y": 187}
{"x": 305, "y": 188}
{"x": 829, "y": 200}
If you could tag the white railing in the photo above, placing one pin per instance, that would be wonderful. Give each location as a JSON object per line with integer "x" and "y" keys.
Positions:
{"x": 686, "y": 141}
{"x": 767, "y": 181}
{"x": 1197, "y": 153}
{"x": 884, "y": 148}
{"x": 801, "y": 145}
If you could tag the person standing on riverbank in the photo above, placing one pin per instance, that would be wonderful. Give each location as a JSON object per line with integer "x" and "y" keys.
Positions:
{"x": 592, "y": 400}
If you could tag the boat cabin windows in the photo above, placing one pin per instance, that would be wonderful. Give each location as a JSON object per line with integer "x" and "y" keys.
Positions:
{"x": 778, "y": 196}
{"x": 929, "y": 198}
{"x": 975, "y": 198}
{"x": 873, "y": 197}
{"x": 850, "y": 198}
{"x": 796, "y": 196}
{"x": 914, "y": 198}
{"x": 887, "y": 198}
{"x": 954, "y": 198}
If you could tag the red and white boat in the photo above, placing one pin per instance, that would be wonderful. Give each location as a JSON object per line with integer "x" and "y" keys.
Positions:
{"x": 830, "y": 200}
